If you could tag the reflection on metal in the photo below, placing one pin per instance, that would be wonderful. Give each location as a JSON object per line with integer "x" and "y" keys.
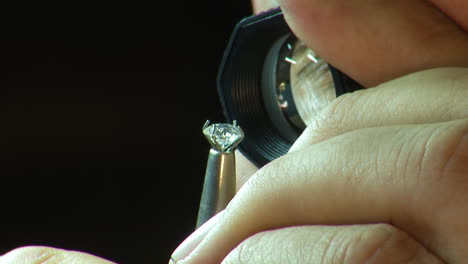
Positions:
{"x": 312, "y": 58}
{"x": 282, "y": 87}
{"x": 282, "y": 101}
{"x": 290, "y": 60}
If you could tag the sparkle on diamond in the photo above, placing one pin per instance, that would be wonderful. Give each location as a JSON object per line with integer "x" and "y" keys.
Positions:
{"x": 224, "y": 137}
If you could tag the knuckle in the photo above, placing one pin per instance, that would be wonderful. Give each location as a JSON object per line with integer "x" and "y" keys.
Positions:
{"x": 246, "y": 252}
{"x": 288, "y": 245}
{"x": 457, "y": 152}
{"x": 382, "y": 243}
{"x": 376, "y": 243}
{"x": 446, "y": 153}
{"x": 330, "y": 122}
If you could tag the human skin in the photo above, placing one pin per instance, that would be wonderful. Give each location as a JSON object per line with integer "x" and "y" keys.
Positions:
{"x": 443, "y": 40}
{"x": 422, "y": 109}
{"x": 40, "y": 254}
{"x": 398, "y": 150}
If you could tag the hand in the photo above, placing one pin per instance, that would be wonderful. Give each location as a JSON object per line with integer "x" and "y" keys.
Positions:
{"x": 368, "y": 161}
{"x": 394, "y": 154}
{"x": 39, "y": 255}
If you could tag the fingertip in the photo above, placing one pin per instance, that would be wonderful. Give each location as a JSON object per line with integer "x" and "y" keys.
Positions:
{"x": 369, "y": 40}
{"x": 185, "y": 249}
{"x": 334, "y": 30}
{"x": 172, "y": 260}
{"x": 29, "y": 254}
{"x": 260, "y": 6}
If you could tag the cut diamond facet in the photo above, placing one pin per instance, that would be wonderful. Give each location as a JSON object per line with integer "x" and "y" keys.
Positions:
{"x": 223, "y": 137}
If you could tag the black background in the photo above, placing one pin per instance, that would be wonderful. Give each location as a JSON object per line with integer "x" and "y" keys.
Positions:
{"x": 101, "y": 109}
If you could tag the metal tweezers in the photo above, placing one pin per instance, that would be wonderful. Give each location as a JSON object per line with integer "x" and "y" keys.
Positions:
{"x": 219, "y": 186}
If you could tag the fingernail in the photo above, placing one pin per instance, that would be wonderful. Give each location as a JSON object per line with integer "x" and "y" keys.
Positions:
{"x": 191, "y": 242}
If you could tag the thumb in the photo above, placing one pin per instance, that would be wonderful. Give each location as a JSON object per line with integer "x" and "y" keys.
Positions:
{"x": 374, "y": 41}
{"x": 376, "y": 243}
{"x": 39, "y": 255}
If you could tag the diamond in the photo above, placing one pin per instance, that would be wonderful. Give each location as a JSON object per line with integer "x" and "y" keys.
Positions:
{"x": 223, "y": 137}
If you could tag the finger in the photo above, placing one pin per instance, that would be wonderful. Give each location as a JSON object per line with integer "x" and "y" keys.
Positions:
{"x": 374, "y": 41}
{"x": 39, "y": 255}
{"x": 191, "y": 242}
{"x": 244, "y": 169}
{"x": 398, "y": 102}
{"x": 411, "y": 176}
{"x": 377, "y": 243}
{"x": 430, "y": 96}
{"x": 455, "y": 9}
{"x": 259, "y": 6}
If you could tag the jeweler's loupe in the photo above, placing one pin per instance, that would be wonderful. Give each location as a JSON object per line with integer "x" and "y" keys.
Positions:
{"x": 273, "y": 85}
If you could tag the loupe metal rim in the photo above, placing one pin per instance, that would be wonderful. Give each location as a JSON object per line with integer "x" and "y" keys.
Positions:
{"x": 275, "y": 82}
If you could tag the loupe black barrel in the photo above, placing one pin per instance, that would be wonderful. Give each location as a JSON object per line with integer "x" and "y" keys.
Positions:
{"x": 239, "y": 85}
{"x": 240, "y": 81}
